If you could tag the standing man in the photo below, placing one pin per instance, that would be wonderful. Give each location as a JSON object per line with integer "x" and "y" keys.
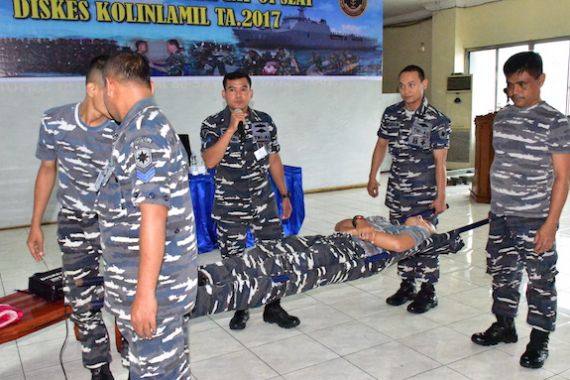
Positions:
{"x": 241, "y": 143}
{"x": 174, "y": 64}
{"x": 74, "y": 143}
{"x": 529, "y": 186}
{"x": 417, "y": 136}
{"x": 147, "y": 226}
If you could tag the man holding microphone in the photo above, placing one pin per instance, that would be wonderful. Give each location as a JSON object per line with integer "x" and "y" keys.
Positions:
{"x": 241, "y": 143}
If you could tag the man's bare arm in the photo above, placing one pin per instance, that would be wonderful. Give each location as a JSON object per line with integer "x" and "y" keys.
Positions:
{"x": 546, "y": 234}
{"x": 440, "y": 158}
{"x": 214, "y": 154}
{"x": 151, "y": 254}
{"x": 365, "y": 231}
{"x": 45, "y": 181}
{"x": 278, "y": 174}
{"x": 377, "y": 159}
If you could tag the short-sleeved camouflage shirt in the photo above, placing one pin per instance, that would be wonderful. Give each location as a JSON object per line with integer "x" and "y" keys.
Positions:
{"x": 240, "y": 176}
{"x": 81, "y": 152}
{"x": 522, "y": 174}
{"x": 411, "y": 141}
{"x": 148, "y": 165}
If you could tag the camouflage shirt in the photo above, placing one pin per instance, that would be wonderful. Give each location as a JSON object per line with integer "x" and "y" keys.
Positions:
{"x": 522, "y": 174}
{"x": 419, "y": 234}
{"x": 148, "y": 165}
{"x": 411, "y": 141}
{"x": 175, "y": 64}
{"x": 81, "y": 153}
{"x": 239, "y": 175}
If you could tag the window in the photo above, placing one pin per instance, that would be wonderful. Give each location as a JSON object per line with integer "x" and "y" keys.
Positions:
{"x": 555, "y": 56}
{"x": 486, "y": 66}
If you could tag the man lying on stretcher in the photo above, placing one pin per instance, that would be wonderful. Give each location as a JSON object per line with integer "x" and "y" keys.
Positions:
{"x": 295, "y": 264}
{"x": 376, "y": 232}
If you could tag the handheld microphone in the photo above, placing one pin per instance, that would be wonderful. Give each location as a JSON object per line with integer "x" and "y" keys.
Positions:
{"x": 241, "y": 131}
{"x": 240, "y": 127}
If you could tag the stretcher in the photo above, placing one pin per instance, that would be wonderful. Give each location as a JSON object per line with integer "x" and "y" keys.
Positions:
{"x": 272, "y": 271}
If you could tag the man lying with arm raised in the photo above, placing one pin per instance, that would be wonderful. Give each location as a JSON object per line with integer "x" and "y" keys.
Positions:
{"x": 380, "y": 233}
{"x": 276, "y": 268}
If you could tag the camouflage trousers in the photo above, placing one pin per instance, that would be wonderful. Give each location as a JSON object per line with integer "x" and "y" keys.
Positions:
{"x": 78, "y": 237}
{"x": 232, "y": 233}
{"x": 422, "y": 268}
{"x": 510, "y": 248}
{"x": 165, "y": 356}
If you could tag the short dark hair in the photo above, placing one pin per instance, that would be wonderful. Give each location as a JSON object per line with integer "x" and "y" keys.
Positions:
{"x": 236, "y": 75}
{"x": 95, "y": 66}
{"x": 528, "y": 61}
{"x": 174, "y": 42}
{"x": 139, "y": 43}
{"x": 128, "y": 66}
{"x": 412, "y": 68}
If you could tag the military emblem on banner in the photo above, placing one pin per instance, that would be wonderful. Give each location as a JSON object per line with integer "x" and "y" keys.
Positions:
{"x": 353, "y": 8}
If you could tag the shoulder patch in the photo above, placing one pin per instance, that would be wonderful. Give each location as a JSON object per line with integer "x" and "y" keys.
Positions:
{"x": 143, "y": 158}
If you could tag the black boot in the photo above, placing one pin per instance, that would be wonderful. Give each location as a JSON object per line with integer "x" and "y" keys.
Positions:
{"x": 501, "y": 331}
{"x": 274, "y": 313}
{"x": 239, "y": 320}
{"x": 102, "y": 373}
{"x": 536, "y": 350}
{"x": 405, "y": 293}
{"x": 425, "y": 300}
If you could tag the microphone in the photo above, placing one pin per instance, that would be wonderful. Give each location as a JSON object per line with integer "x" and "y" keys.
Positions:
{"x": 240, "y": 127}
{"x": 241, "y": 131}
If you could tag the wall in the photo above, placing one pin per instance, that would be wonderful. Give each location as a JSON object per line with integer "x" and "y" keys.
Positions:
{"x": 497, "y": 23}
{"x": 402, "y": 48}
{"x": 454, "y": 30}
{"x": 327, "y": 127}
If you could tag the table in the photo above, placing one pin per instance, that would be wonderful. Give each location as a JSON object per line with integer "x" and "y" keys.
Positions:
{"x": 202, "y": 187}
{"x": 38, "y": 313}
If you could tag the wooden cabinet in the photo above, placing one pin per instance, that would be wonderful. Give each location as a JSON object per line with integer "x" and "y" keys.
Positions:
{"x": 484, "y": 154}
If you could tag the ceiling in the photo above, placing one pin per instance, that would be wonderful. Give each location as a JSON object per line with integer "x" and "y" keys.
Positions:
{"x": 404, "y": 11}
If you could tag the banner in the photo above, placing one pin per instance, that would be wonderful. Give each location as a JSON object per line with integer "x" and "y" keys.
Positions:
{"x": 41, "y": 38}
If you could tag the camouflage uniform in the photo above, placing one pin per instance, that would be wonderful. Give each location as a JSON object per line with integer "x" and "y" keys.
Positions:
{"x": 149, "y": 165}
{"x": 521, "y": 185}
{"x": 243, "y": 195}
{"x": 295, "y": 264}
{"x": 81, "y": 152}
{"x": 412, "y": 138}
{"x": 175, "y": 64}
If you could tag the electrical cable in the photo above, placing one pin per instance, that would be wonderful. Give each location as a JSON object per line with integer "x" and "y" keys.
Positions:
{"x": 67, "y": 315}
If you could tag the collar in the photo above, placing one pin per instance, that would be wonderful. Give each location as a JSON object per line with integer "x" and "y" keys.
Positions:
{"x": 422, "y": 109}
{"x": 540, "y": 103}
{"x": 138, "y": 108}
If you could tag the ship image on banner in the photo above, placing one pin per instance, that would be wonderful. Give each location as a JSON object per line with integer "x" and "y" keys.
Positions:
{"x": 300, "y": 32}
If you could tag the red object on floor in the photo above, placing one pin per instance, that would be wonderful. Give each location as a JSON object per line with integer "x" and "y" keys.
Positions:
{"x": 38, "y": 314}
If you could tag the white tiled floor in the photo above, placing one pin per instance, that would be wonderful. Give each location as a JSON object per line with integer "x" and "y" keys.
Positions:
{"x": 347, "y": 331}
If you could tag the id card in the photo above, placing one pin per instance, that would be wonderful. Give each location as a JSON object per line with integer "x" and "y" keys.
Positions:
{"x": 261, "y": 153}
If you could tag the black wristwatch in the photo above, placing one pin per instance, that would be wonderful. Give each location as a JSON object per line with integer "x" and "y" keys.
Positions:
{"x": 355, "y": 219}
{"x": 286, "y": 195}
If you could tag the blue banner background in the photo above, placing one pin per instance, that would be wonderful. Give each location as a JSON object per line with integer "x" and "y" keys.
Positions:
{"x": 37, "y": 47}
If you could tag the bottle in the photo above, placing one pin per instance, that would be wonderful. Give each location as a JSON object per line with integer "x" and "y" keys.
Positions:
{"x": 194, "y": 165}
